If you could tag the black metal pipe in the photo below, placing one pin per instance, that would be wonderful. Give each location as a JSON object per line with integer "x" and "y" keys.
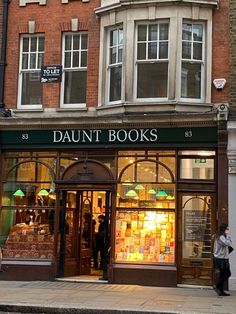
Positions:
{"x": 3, "y": 111}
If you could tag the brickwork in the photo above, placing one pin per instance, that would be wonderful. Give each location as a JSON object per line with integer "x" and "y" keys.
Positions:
{"x": 232, "y": 17}
{"x": 220, "y": 51}
{"x": 52, "y": 20}
{"x": 1, "y": 8}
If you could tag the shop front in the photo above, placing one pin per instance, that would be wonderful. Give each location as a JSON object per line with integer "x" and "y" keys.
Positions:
{"x": 149, "y": 195}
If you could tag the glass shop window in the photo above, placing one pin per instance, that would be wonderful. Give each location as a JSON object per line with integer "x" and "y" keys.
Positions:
{"x": 145, "y": 236}
{"x": 27, "y": 214}
{"x": 145, "y": 218}
{"x": 197, "y": 164}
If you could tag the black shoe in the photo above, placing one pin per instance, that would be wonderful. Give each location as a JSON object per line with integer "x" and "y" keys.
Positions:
{"x": 222, "y": 293}
{"x": 216, "y": 290}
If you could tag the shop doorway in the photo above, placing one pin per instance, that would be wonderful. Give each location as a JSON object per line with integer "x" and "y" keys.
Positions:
{"x": 196, "y": 222}
{"x": 85, "y": 232}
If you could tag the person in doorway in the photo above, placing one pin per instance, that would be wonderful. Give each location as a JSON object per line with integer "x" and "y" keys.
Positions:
{"x": 221, "y": 258}
{"x": 100, "y": 236}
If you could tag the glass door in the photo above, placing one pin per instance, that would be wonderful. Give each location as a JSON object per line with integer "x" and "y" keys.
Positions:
{"x": 196, "y": 224}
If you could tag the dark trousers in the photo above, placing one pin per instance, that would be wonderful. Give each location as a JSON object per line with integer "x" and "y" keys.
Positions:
{"x": 223, "y": 270}
{"x": 98, "y": 248}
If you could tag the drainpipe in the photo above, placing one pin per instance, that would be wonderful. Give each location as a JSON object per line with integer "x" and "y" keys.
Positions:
{"x": 3, "y": 111}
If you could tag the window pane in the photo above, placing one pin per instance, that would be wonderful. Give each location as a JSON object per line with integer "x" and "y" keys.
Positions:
{"x": 186, "y": 50}
{"x": 115, "y": 83}
{"x": 152, "y": 80}
{"x": 120, "y": 52}
{"x": 120, "y": 37}
{"x": 31, "y": 89}
{"x": 75, "y": 87}
{"x": 113, "y": 55}
{"x": 145, "y": 236}
{"x": 197, "y": 32}
{"x": 83, "y": 59}
{"x": 191, "y": 80}
{"x": 67, "y": 59}
{"x": 25, "y": 44}
{"x": 163, "y": 50}
{"x": 187, "y": 32}
{"x": 196, "y": 227}
{"x": 152, "y": 51}
{"x": 142, "y": 32}
{"x": 84, "y": 39}
{"x": 24, "y": 61}
{"x": 75, "y": 59}
{"x": 152, "y": 32}
{"x": 68, "y": 42}
{"x": 163, "y": 30}
{"x": 41, "y": 44}
{"x": 40, "y": 60}
{"x": 32, "y": 61}
{"x": 76, "y": 40}
{"x": 198, "y": 168}
{"x": 114, "y": 38}
{"x": 197, "y": 51}
{"x": 141, "y": 51}
{"x": 33, "y": 45}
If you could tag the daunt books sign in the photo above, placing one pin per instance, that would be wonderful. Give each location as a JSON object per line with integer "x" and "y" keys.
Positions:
{"x": 122, "y": 137}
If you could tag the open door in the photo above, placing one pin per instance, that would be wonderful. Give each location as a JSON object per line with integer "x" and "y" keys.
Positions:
{"x": 85, "y": 229}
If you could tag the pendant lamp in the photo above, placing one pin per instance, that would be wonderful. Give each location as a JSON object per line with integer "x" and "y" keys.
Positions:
{"x": 139, "y": 187}
{"x": 151, "y": 191}
{"x": 19, "y": 192}
{"x": 161, "y": 194}
{"x": 43, "y": 192}
{"x": 131, "y": 193}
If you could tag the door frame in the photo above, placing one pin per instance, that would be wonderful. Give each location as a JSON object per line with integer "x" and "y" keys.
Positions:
{"x": 62, "y": 191}
{"x": 195, "y": 265}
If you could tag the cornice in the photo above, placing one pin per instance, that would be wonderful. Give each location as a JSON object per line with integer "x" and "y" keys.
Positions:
{"x": 122, "y": 4}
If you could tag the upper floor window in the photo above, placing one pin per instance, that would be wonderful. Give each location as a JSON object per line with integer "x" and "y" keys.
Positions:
{"x": 192, "y": 61}
{"x": 152, "y": 60}
{"x": 115, "y": 64}
{"x": 30, "y": 87}
{"x": 75, "y": 51}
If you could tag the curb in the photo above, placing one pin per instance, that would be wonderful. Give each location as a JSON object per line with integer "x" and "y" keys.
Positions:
{"x": 64, "y": 310}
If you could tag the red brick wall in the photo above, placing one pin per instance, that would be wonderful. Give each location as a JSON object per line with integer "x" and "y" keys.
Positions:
{"x": 52, "y": 20}
{"x": 1, "y": 7}
{"x": 220, "y": 56}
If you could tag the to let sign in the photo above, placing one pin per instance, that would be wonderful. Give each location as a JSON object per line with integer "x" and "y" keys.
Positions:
{"x": 51, "y": 74}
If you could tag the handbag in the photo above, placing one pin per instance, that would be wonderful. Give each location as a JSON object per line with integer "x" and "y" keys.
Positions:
{"x": 230, "y": 249}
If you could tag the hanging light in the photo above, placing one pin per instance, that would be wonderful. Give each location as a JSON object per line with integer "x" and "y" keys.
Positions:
{"x": 151, "y": 191}
{"x": 139, "y": 187}
{"x": 19, "y": 192}
{"x": 131, "y": 193}
{"x": 43, "y": 192}
{"x": 127, "y": 182}
{"x": 161, "y": 194}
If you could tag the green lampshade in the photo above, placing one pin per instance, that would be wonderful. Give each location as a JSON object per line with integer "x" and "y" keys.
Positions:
{"x": 19, "y": 192}
{"x": 131, "y": 193}
{"x": 169, "y": 197}
{"x": 139, "y": 187}
{"x": 151, "y": 191}
{"x": 43, "y": 192}
{"x": 161, "y": 193}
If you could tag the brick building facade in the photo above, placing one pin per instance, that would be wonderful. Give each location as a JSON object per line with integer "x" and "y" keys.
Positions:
{"x": 132, "y": 131}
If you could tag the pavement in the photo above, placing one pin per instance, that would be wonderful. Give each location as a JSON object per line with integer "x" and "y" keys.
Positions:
{"x": 49, "y": 297}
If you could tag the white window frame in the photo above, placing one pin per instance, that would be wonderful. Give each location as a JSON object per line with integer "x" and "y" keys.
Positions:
{"x": 69, "y": 69}
{"x": 109, "y": 66}
{"x": 29, "y": 70}
{"x": 148, "y": 61}
{"x": 192, "y": 60}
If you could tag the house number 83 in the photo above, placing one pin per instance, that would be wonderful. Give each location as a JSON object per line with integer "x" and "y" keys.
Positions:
{"x": 188, "y": 134}
{"x": 25, "y": 136}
